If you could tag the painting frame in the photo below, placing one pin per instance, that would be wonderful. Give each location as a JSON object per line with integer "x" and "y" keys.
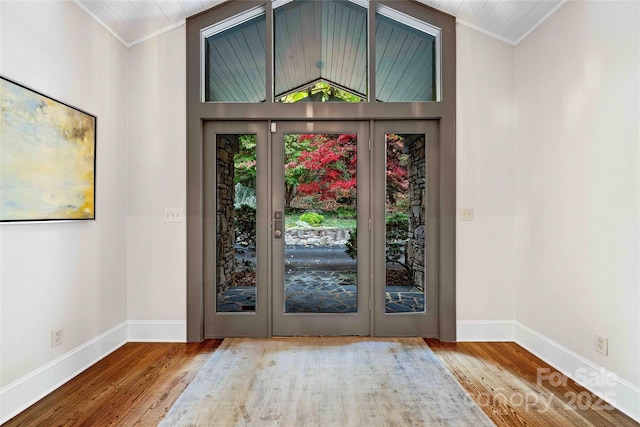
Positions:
{"x": 47, "y": 157}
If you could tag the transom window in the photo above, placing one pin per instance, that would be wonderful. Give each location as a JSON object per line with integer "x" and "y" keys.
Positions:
{"x": 234, "y": 59}
{"x": 320, "y": 54}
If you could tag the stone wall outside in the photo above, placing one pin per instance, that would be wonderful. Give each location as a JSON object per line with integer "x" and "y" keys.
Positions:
{"x": 226, "y": 148}
{"x": 321, "y": 236}
{"x": 416, "y": 243}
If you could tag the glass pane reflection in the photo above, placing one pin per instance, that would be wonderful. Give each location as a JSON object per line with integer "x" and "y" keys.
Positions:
{"x": 320, "y": 51}
{"x": 236, "y": 259}
{"x": 320, "y": 223}
{"x": 405, "y": 223}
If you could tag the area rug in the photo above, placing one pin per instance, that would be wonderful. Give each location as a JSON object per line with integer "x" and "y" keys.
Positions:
{"x": 318, "y": 381}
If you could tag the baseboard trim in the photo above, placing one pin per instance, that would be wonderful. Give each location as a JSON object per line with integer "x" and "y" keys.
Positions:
{"x": 157, "y": 330}
{"x": 485, "y": 330}
{"x": 24, "y": 392}
{"x": 618, "y": 392}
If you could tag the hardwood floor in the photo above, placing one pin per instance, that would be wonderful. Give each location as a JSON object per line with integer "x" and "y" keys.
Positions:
{"x": 133, "y": 386}
{"x": 504, "y": 379}
{"x": 137, "y": 384}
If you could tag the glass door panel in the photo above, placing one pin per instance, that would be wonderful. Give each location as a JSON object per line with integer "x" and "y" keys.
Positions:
{"x": 236, "y": 223}
{"x": 320, "y": 273}
{"x": 406, "y": 228}
{"x": 320, "y": 285}
{"x": 405, "y": 223}
{"x": 306, "y": 230}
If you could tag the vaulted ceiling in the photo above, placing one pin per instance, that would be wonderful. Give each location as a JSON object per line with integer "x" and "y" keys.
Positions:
{"x": 133, "y": 21}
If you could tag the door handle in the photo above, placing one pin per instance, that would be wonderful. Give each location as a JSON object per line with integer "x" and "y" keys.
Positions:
{"x": 277, "y": 225}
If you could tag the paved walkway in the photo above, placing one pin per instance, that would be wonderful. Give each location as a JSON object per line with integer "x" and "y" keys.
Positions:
{"x": 320, "y": 280}
{"x": 321, "y": 291}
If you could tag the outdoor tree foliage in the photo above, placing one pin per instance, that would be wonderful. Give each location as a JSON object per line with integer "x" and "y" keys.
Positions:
{"x": 322, "y": 165}
{"x": 294, "y": 172}
{"x": 245, "y": 227}
{"x": 245, "y": 161}
{"x": 329, "y": 164}
{"x": 397, "y": 233}
{"x": 397, "y": 177}
{"x": 320, "y": 92}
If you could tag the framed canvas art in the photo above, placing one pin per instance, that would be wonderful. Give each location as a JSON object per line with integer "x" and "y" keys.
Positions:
{"x": 47, "y": 157}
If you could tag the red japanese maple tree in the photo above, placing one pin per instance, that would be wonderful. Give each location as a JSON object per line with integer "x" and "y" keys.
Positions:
{"x": 397, "y": 176}
{"x": 330, "y": 164}
{"x": 324, "y": 165}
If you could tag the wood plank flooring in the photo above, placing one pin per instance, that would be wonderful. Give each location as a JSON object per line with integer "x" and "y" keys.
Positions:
{"x": 137, "y": 384}
{"x": 503, "y": 378}
{"x": 133, "y": 386}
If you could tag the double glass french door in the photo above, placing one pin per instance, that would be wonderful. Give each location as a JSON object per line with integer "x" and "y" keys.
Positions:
{"x": 320, "y": 228}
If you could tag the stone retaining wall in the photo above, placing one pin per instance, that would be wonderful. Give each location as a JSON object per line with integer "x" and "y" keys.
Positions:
{"x": 416, "y": 244}
{"x": 226, "y": 148}
{"x": 319, "y": 236}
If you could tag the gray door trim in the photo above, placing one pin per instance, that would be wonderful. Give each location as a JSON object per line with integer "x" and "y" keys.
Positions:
{"x": 199, "y": 112}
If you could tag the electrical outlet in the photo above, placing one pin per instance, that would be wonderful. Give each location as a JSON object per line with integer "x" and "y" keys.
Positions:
{"x": 172, "y": 215}
{"x": 601, "y": 344}
{"x": 57, "y": 337}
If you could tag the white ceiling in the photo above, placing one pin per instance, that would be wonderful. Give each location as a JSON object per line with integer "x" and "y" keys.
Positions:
{"x": 134, "y": 21}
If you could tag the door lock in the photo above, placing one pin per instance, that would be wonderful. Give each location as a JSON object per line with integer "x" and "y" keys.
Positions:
{"x": 277, "y": 225}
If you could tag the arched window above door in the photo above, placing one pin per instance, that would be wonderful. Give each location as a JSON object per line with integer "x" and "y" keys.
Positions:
{"x": 320, "y": 52}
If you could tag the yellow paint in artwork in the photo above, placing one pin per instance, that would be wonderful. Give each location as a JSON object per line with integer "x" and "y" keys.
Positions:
{"x": 88, "y": 206}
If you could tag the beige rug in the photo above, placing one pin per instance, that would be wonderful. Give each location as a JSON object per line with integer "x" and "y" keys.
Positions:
{"x": 314, "y": 381}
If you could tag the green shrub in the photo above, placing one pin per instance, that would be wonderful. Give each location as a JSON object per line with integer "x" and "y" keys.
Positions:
{"x": 397, "y": 226}
{"x": 396, "y": 236}
{"x": 397, "y": 233}
{"x": 351, "y": 247}
{"x": 345, "y": 213}
{"x": 245, "y": 228}
{"x": 312, "y": 218}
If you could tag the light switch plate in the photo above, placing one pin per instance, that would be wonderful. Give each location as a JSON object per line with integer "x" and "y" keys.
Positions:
{"x": 466, "y": 214}
{"x": 172, "y": 215}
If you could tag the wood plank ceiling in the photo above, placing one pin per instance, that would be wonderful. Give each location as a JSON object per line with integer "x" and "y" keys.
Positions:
{"x": 133, "y": 21}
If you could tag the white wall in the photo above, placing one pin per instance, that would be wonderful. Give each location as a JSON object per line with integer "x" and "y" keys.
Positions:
{"x": 577, "y": 182}
{"x": 156, "y": 272}
{"x": 485, "y": 258}
{"x": 70, "y": 275}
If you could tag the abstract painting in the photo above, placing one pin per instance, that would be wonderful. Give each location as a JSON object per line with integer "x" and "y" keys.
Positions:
{"x": 47, "y": 157}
